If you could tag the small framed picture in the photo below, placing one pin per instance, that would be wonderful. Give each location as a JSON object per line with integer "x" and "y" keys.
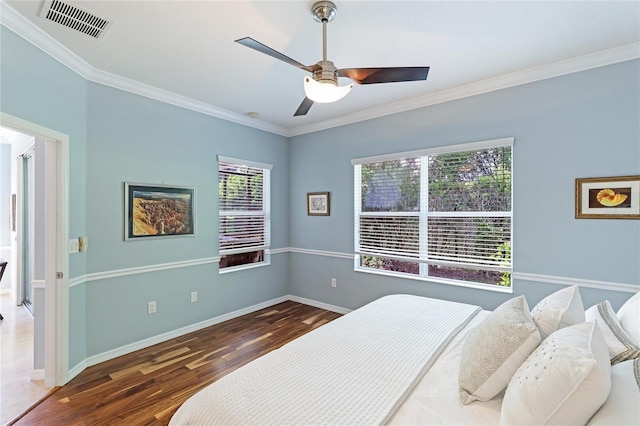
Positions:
{"x": 157, "y": 211}
{"x": 318, "y": 204}
{"x": 608, "y": 198}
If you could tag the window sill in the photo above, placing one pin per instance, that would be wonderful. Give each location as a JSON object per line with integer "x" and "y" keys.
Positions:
{"x": 467, "y": 284}
{"x": 243, "y": 267}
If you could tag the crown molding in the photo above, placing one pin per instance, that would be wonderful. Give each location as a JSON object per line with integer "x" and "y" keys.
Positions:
{"x": 133, "y": 86}
{"x": 26, "y": 29}
{"x": 602, "y": 58}
{"x": 40, "y": 39}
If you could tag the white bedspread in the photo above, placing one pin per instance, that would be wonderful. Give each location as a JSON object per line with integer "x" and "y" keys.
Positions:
{"x": 436, "y": 397}
{"x": 357, "y": 369}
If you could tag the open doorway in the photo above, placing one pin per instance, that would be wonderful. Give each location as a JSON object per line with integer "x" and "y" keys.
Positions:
{"x": 18, "y": 214}
{"x": 20, "y": 234}
{"x": 49, "y": 245}
{"x": 17, "y": 248}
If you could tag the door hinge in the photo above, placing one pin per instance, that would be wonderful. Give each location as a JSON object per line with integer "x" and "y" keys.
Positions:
{"x": 59, "y": 275}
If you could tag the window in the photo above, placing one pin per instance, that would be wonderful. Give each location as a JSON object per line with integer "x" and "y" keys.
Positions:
{"x": 442, "y": 214}
{"x": 243, "y": 209}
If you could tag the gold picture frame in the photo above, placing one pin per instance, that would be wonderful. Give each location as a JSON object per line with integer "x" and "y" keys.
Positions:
{"x": 318, "y": 204}
{"x": 608, "y": 198}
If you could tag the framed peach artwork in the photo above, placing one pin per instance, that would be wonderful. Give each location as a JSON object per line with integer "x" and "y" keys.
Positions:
{"x": 608, "y": 198}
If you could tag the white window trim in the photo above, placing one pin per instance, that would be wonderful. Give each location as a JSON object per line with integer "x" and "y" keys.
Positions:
{"x": 248, "y": 163}
{"x": 266, "y": 200}
{"x": 494, "y": 143}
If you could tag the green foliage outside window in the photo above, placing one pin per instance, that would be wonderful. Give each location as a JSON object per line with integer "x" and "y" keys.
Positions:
{"x": 476, "y": 181}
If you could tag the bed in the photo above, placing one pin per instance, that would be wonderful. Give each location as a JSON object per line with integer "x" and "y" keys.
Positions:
{"x": 408, "y": 360}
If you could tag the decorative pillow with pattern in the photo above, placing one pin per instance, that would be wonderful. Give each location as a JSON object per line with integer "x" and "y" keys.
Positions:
{"x": 494, "y": 350}
{"x": 629, "y": 316}
{"x": 560, "y": 309}
{"x": 622, "y": 346}
{"x": 564, "y": 381}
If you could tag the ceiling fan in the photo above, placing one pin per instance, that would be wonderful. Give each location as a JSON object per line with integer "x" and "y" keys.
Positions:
{"x": 322, "y": 85}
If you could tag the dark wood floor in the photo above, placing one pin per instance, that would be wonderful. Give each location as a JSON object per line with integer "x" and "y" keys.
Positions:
{"x": 146, "y": 387}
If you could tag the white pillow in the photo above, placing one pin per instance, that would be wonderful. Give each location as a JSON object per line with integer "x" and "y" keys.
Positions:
{"x": 622, "y": 346}
{"x": 494, "y": 350}
{"x": 564, "y": 381}
{"x": 560, "y": 309}
{"x": 629, "y": 316}
{"x": 622, "y": 407}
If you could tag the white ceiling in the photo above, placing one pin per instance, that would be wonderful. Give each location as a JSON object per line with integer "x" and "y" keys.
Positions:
{"x": 186, "y": 49}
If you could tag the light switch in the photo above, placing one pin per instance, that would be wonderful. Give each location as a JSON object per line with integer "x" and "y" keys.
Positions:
{"x": 74, "y": 245}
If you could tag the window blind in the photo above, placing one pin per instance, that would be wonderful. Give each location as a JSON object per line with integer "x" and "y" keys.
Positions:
{"x": 469, "y": 202}
{"x": 243, "y": 219}
{"x": 451, "y": 209}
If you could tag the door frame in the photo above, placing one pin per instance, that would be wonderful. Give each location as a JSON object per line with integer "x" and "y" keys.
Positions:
{"x": 21, "y": 224}
{"x": 56, "y": 225}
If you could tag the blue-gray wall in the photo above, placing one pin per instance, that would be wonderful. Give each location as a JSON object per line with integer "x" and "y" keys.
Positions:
{"x": 114, "y": 137}
{"x": 580, "y": 125}
{"x": 135, "y": 139}
{"x": 39, "y": 89}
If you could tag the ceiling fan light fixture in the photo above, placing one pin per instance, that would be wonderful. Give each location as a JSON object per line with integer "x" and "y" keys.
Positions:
{"x": 324, "y": 91}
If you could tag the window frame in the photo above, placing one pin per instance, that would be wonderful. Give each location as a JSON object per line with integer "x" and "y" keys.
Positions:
{"x": 266, "y": 212}
{"x": 423, "y": 214}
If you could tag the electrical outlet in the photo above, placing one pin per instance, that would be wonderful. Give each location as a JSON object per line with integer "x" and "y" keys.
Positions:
{"x": 333, "y": 282}
{"x": 194, "y": 296}
{"x": 151, "y": 307}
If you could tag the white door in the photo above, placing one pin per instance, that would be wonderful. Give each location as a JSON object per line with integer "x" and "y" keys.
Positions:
{"x": 52, "y": 237}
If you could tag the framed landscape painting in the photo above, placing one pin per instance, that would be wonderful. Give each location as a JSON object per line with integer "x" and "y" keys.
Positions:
{"x": 156, "y": 211}
{"x": 608, "y": 198}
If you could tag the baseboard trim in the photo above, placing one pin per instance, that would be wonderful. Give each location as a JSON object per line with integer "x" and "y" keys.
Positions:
{"x": 37, "y": 374}
{"x": 77, "y": 369}
{"x": 320, "y": 305}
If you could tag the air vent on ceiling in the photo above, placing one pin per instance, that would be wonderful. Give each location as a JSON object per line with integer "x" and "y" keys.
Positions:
{"x": 75, "y": 18}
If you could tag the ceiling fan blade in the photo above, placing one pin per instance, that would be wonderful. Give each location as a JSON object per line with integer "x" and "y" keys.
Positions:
{"x": 256, "y": 45}
{"x": 384, "y": 75}
{"x": 304, "y": 107}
